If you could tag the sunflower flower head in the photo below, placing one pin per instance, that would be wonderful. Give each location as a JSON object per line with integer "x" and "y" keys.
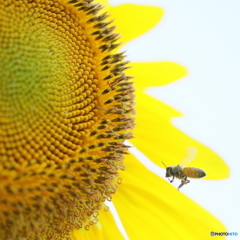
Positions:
{"x": 66, "y": 107}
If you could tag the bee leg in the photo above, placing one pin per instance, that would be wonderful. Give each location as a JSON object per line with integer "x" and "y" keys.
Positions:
{"x": 181, "y": 185}
{"x": 184, "y": 181}
{"x": 171, "y": 180}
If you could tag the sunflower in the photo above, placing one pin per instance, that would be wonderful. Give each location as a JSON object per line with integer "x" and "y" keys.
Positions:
{"x": 66, "y": 109}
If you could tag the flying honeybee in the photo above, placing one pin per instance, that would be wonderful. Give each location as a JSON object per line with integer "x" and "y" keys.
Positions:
{"x": 183, "y": 173}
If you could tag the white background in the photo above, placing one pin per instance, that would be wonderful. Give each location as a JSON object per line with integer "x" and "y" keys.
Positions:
{"x": 204, "y": 37}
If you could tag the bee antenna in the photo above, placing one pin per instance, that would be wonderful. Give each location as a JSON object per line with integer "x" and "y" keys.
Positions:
{"x": 164, "y": 164}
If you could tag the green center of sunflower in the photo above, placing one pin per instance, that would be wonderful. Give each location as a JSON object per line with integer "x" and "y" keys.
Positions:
{"x": 66, "y": 108}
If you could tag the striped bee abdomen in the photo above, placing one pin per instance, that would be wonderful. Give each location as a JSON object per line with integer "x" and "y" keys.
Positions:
{"x": 193, "y": 172}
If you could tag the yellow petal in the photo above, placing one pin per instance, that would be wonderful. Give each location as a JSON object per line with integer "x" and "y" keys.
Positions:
{"x": 104, "y": 2}
{"x": 105, "y": 229}
{"x": 133, "y": 20}
{"x": 150, "y": 208}
{"x": 151, "y": 74}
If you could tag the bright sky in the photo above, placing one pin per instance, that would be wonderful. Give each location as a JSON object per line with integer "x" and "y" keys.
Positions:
{"x": 203, "y": 36}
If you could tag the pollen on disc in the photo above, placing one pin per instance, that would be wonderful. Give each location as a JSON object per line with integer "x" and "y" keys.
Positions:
{"x": 45, "y": 78}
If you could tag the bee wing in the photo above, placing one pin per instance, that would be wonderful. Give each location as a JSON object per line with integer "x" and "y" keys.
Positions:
{"x": 191, "y": 154}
